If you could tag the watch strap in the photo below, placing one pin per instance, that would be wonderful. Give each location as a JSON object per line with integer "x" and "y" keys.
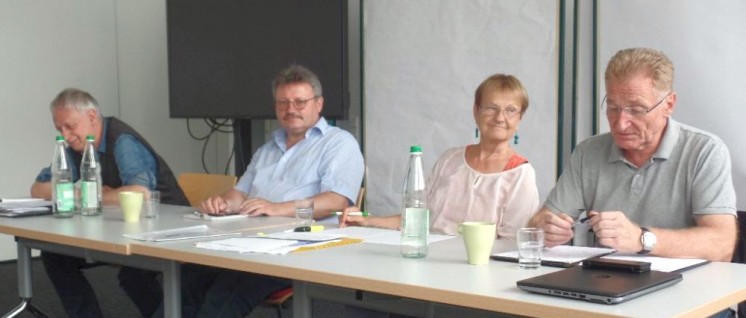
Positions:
{"x": 644, "y": 250}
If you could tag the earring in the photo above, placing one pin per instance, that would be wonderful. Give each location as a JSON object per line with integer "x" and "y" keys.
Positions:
{"x": 476, "y": 132}
{"x": 515, "y": 138}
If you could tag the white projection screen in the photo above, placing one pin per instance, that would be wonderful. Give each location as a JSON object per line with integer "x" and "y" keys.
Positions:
{"x": 423, "y": 60}
{"x": 706, "y": 40}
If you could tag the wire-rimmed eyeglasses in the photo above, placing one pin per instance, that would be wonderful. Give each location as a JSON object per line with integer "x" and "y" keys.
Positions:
{"x": 508, "y": 112}
{"x": 636, "y": 111}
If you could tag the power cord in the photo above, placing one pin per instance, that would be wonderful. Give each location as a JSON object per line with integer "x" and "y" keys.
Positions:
{"x": 215, "y": 126}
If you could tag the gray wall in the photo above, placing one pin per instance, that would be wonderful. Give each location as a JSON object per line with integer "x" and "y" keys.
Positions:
{"x": 423, "y": 61}
{"x": 114, "y": 49}
{"x": 706, "y": 40}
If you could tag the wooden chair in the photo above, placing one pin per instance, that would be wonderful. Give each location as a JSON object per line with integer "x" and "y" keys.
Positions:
{"x": 199, "y": 186}
{"x": 281, "y": 298}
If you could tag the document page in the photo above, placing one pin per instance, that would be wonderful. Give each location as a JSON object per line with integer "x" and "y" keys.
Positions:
{"x": 380, "y": 236}
{"x": 182, "y": 233}
{"x": 559, "y": 256}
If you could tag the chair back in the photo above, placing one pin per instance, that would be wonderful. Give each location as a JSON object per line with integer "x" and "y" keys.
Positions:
{"x": 360, "y": 198}
{"x": 199, "y": 186}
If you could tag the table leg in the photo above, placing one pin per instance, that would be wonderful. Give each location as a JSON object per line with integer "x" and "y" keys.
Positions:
{"x": 301, "y": 300}
{"x": 172, "y": 289}
{"x": 24, "y": 283}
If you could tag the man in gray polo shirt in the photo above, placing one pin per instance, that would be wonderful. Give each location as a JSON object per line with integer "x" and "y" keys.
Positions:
{"x": 651, "y": 185}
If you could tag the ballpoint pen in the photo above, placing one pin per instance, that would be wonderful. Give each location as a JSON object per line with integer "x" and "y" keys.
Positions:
{"x": 356, "y": 213}
{"x": 583, "y": 220}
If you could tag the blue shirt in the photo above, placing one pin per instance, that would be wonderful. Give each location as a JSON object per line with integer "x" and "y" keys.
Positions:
{"x": 328, "y": 159}
{"x": 137, "y": 165}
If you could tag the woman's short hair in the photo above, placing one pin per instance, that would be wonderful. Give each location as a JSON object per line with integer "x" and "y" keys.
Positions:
{"x": 504, "y": 84}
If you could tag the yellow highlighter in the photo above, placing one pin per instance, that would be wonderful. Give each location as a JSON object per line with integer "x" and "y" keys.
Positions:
{"x": 310, "y": 228}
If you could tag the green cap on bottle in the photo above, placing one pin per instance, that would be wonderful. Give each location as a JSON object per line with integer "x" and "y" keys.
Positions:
{"x": 59, "y": 138}
{"x": 89, "y": 138}
{"x": 415, "y": 149}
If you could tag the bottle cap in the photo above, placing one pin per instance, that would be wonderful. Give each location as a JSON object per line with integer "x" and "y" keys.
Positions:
{"x": 415, "y": 149}
{"x": 59, "y": 138}
{"x": 89, "y": 138}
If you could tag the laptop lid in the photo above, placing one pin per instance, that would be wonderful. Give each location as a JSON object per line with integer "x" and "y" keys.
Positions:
{"x": 599, "y": 286}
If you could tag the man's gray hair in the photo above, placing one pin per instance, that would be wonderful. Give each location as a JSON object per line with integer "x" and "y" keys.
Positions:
{"x": 294, "y": 74}
{"x": 77, "y": 99}
{"x": 649, "y": 62}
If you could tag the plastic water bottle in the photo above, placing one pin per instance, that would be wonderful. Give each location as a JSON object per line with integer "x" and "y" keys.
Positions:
{"x": 63, "y": 194}
{"x": 415, "y": 217}
{"x": 90, "y": 180}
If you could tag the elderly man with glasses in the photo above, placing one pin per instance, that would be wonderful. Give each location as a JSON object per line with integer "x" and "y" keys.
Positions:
{"x": 306, "y": 158}
{"x": 652, "y": 185}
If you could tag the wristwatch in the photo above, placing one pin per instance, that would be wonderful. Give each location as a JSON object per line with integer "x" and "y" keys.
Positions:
{"x": 648, "y": 240}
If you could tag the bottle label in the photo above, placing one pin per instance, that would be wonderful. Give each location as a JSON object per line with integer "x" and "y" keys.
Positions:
{"x": 65, "y": 197}
{"x": 416, "y": 221}
{"x": 89, "y": 194}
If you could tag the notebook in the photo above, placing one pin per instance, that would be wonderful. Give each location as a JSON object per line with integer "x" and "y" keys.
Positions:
{"x": 599, "y": 286}
{"x": 559, "y": 256}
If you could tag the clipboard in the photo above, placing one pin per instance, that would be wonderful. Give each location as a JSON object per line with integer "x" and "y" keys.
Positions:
{"x": 342, "y": 241}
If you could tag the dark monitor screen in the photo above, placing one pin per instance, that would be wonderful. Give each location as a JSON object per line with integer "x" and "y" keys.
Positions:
{"x": 223, "y": 54}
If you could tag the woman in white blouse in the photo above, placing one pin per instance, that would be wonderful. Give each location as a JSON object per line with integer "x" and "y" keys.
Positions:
{"x": 487, "y": 181}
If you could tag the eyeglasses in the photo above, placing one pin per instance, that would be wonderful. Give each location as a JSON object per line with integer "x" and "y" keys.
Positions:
{"x": 634, "y": 110}
{"x": 507, "y": 112}
{"x": 298, "y": 104}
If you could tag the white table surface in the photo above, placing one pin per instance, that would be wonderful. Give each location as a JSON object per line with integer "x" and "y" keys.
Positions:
{"x": 445, "y": 277}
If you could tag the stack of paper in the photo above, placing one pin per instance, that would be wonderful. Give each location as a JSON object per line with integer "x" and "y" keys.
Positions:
{"x": 381, "y": 236}
{"x": 277, "y": 243}
{"x": 182, "y": 233}
{"x": 559, "y": 256}
{"x": 15, "y": 207}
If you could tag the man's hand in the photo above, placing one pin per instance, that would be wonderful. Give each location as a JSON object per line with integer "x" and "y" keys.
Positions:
{"x": 613, "y": 229}
{"x": 257, "y": 206}
{"x": 214, "y": 205}
{"x": 557, "y": 228}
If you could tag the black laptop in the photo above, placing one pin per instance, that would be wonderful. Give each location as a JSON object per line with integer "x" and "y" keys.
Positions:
{"x": 599, "y": 286}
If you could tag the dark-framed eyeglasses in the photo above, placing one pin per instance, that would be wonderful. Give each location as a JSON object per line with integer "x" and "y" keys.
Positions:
{"x": 636, "y": 111}
{"x": 298, "y": 104}
{"x": 507, "y": 112}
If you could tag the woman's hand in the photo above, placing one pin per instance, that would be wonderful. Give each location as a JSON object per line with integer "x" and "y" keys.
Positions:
{"x": 352, "y": 220}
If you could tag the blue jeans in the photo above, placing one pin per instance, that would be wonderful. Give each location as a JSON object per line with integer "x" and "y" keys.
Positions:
{"x": 214, "y": 292}
{"x": 78, "y": 297}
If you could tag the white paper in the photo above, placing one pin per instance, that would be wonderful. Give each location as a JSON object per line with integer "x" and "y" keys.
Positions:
{"x": 183, "y": 233}
{"x": 304, "y": 236}
{"x": 246, "y": 244}
{"x": 380, "y": 236}
{"x": 563, "y": 254}
{"x": 206, "y": 217}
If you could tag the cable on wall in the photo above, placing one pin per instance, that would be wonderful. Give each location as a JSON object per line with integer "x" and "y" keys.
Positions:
{"x": 216, "y": 126}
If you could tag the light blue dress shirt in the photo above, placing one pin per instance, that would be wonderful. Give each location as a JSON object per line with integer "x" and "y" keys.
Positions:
{"x": 328, "y": 159}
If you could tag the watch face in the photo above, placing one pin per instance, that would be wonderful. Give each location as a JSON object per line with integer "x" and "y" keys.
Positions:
{"x": 648, "y": 240}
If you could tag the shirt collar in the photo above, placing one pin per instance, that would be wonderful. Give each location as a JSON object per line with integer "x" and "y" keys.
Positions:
{"x": 665, "y": 148}
{"x": 321, "y": 127}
